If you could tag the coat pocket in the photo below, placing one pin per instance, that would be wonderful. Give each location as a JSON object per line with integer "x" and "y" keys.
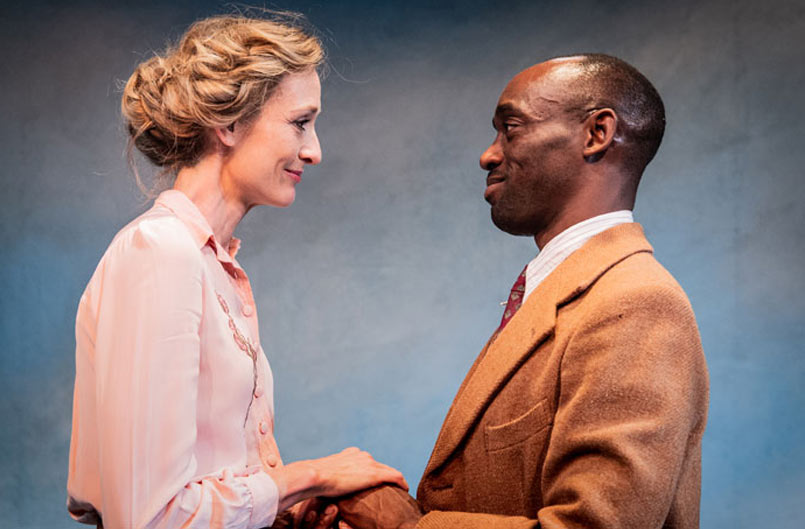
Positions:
{"x": 518, "y": 430}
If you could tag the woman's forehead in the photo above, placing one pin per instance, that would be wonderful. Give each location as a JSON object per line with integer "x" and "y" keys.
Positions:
{"x": 298, "y": 90}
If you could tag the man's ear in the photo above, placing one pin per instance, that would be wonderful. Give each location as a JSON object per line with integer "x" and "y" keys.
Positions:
{"x": 227, "y": 135}
{"x": 599, "y": 128}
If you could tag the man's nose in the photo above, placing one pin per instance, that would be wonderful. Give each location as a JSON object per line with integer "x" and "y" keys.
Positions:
{"x": 492, "y": 156}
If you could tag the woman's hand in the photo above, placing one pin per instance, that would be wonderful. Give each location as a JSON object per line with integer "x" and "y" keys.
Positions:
{"x": 348, "y": 471}
{"x": 352, "y": 470}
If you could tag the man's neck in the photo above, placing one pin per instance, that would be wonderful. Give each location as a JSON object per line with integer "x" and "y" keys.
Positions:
{"x": 588, "y": 203}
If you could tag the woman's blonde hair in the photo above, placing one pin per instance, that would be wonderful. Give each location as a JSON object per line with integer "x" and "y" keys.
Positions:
{"x": 222, "y": 71}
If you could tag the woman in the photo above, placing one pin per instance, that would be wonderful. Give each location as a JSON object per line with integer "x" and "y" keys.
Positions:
{"x": 173, "y": 405}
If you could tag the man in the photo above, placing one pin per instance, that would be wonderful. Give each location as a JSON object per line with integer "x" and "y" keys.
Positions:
{"x": 587, "y": 406}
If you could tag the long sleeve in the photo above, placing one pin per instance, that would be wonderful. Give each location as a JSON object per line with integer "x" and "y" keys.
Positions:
{"x": 139, "y": 373}
{"x": 631, "y": 412}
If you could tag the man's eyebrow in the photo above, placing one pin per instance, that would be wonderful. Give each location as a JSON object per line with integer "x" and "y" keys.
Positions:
{"x": 507, "y": 108}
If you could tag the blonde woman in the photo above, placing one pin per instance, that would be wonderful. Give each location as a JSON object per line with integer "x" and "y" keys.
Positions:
{"x": 173, "y": 404}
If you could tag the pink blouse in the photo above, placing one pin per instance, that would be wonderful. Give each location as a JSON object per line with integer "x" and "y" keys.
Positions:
{"x": 161, "y": 436}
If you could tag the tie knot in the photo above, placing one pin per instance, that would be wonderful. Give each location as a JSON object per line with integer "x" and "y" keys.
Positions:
{"x": 515, "y": 299}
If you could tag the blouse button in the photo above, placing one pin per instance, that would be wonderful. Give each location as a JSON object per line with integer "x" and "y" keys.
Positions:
{"x": 258, "y": 392}
{"x": 272, "y": 460}
{"x": 263, "y": 427}
{"x": 247, "y": 310}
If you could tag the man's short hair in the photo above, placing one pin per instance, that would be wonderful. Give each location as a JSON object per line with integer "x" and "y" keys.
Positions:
{"x": 606, "y": 81}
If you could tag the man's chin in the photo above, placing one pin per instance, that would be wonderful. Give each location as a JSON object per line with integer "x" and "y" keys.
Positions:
{"x": 510, "y": 224}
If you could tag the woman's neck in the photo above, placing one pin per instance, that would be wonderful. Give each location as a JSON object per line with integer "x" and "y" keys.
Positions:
{"x": 205, "y": 185}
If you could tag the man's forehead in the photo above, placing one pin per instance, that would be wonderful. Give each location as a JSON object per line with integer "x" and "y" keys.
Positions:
{"x": 540, "y": 87}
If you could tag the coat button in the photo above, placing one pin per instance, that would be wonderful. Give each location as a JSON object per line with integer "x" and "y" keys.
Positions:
{"x": 272, "y": 460}
{"x": 263, "y": 427}
{"x": 258, "y": 391}
{"x": 247, "y": 310}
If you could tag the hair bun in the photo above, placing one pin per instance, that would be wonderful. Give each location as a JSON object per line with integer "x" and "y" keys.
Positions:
{"x": 154, "y": 115}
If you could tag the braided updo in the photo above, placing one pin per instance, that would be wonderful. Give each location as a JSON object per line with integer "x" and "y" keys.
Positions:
{"x": 222, "y": 71}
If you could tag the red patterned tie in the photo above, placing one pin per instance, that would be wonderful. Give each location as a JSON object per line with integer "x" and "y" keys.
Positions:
{"x": 515, "y": 299}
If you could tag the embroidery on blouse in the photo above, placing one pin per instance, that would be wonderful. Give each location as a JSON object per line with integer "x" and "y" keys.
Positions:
{"x": 245, "y": 345}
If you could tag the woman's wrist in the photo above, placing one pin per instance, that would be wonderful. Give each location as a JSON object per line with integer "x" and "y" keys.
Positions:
{"x": 296, "y": 482}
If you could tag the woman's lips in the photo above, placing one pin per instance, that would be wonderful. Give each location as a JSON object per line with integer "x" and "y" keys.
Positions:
{"x": 295, "y": 175}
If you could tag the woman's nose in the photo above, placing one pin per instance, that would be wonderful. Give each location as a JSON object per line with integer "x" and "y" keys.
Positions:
{"x": 311, "y": 150}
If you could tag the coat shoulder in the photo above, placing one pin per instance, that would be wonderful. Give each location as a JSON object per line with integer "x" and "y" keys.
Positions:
{"x": 640, "y": 279}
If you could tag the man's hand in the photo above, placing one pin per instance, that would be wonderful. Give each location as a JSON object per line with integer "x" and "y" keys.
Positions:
{"x": 313, "y": 513}
{"x": 383, "y": 507}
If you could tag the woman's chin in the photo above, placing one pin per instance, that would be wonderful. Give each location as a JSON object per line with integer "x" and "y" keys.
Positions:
{"x": 281, "y": 200}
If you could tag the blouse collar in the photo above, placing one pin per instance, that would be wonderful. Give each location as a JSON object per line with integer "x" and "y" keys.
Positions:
{"x": 188, "y": 212}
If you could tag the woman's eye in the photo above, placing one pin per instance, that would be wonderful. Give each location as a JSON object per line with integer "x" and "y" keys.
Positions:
{"x": 301, "y": 123}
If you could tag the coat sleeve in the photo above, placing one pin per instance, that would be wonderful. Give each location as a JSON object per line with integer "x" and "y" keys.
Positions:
{"x": 632, "y": 407}
{"x": 632, "y": 403}
{"x": 147, "y": 361}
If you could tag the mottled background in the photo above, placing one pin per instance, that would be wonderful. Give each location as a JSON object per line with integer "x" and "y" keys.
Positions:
{"x": 377, "y": 288}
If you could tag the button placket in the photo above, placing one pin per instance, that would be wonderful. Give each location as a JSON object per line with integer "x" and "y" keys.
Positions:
{"x": 247, "y": 346}
{"x": 243, "y": 289}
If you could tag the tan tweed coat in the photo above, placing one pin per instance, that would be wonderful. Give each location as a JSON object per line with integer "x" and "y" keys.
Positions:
{"x": 587, "y": 410}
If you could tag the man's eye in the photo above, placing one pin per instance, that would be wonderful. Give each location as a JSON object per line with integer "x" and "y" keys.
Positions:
{"x": 507, "y": 127}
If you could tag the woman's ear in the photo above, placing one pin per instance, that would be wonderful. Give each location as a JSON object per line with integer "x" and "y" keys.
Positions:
{"x": 227, "y": 135}
{"x": 600, "y": 128}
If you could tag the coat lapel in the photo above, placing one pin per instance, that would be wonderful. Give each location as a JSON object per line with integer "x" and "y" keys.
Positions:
{"x": 531, "y": 325}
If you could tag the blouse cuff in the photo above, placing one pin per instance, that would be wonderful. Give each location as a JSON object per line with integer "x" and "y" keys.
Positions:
{"x": 265, "y": 499}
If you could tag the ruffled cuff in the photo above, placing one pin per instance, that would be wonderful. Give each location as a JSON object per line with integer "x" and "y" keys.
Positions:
{"x": 265, "y": 499}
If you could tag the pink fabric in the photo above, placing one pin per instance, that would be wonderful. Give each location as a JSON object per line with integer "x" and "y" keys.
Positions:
{"x": 162, "y": 389}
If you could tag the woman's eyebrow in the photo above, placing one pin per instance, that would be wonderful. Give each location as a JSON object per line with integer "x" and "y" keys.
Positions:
{"x": 312, "y": 109}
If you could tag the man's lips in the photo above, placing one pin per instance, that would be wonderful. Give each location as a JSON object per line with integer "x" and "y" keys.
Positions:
{"x": 492, "y": 183}
{"x": 493, "y": 179}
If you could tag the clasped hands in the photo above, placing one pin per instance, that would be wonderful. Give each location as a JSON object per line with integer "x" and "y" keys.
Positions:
{"x": 340, "y": 490}
{"x": 381, "y": 507}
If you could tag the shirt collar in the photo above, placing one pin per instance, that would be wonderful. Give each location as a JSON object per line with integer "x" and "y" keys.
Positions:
{"x": 568, "y": 241}
{"x": 587, "y": 228}
{"x": 188, "y": 212}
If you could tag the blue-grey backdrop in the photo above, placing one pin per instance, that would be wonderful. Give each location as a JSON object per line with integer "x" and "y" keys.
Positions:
{"x": 377, "y": 288}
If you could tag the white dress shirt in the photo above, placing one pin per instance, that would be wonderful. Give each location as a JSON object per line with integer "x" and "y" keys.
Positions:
{"x": 560, "y": 247}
